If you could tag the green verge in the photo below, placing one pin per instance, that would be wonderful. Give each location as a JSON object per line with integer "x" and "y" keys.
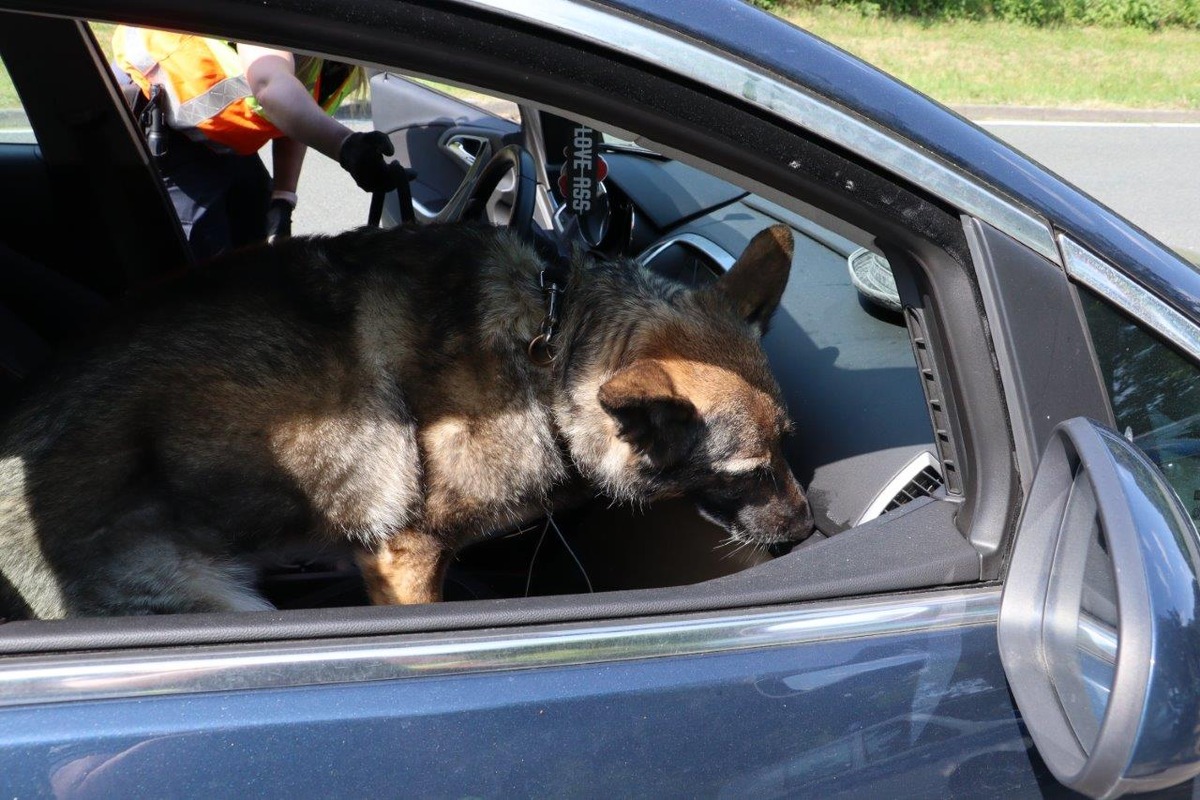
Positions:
{"x": 8, "y": 94}
{"x": 963, "y": 61}
{"x": 991, "y": 62}
{"x": 1148, "y": 14}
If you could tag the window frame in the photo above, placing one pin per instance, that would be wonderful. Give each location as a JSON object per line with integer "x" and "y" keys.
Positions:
{"x": 929, "y": 264}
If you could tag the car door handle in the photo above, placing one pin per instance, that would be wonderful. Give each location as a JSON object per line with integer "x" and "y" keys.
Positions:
{"x": 464, "y": 147}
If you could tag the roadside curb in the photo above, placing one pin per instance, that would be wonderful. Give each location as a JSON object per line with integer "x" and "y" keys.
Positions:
{"x": 989, "y": 113}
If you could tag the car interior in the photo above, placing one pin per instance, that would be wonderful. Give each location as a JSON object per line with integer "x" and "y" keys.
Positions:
{"x": 881, "y": 444}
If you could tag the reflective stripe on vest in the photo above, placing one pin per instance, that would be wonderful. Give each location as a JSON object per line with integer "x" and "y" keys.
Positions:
{"x": 208, "y": 97}
{"x": 212, "y": 102}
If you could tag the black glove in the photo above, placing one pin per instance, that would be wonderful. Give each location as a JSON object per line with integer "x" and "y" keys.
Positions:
{"x": 279, "y": 219}
{"x": 362, "y": 156}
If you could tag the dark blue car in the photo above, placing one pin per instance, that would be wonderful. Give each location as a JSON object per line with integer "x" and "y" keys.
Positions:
{"x": 995, "y": 383}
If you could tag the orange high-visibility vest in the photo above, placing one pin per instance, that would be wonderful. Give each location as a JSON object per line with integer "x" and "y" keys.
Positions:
{"x": 207, "y": 95}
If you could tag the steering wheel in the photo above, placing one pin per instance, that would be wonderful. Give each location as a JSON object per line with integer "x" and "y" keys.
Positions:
{"x": 474, "y": 197}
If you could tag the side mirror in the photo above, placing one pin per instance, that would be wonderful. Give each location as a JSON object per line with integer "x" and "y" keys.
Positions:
{"x": 1100, "y": 619}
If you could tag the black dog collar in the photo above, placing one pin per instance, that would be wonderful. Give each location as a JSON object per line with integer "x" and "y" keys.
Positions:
{"x": 552, "y": 280}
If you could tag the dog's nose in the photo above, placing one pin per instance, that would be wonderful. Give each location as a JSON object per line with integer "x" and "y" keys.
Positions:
{"x": 802, "y": 524}
{"x": 798, "y": 528}
{"x": 800, "y": 517}
{"x": 791, "y": 524}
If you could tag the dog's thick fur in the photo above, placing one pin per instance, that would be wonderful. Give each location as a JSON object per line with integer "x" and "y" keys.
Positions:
{"x": 375, "y": 388}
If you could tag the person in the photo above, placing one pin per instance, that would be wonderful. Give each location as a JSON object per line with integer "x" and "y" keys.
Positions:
{"x": 222, "y": 103}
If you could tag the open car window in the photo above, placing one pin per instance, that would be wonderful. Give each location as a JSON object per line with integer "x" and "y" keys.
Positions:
{"x": 495, "y": 106}
{"x": 14, "y": 123}
{"x": 866, "y": 381}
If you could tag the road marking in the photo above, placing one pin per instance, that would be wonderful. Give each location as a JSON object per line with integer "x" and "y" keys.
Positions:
{"x": 1046, "y": 123}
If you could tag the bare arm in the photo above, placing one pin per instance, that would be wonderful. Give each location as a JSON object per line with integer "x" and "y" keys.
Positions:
{"x": 287, "y": 157}
{"x": 285, "y": 101}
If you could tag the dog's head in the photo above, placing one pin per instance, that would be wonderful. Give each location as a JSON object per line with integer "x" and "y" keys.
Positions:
{"x": 696, "y": 410}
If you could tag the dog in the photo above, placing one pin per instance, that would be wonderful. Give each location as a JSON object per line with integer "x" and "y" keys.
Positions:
{"x": 380, "y": 389}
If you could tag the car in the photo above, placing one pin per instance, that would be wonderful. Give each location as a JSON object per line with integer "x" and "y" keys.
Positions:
{"x": 1002, "y": 599}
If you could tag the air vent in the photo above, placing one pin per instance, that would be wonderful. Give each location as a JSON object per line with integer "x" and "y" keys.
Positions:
{"x": 939, "y": 414}
{"x": 918, "y": 478}
{"x": 923, "y": 484}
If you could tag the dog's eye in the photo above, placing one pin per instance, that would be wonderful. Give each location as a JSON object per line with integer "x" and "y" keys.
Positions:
{"x": 744, "y": 479}
{"x": 763, "y": 473}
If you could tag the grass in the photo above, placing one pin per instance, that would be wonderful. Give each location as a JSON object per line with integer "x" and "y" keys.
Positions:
{"x": 8, "y": 95}
{"x": 995, "y": 63}
{"x": 1005, "y": 63}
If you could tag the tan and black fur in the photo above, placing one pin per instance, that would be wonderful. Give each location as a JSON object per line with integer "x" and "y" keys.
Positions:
{"x": 375, "y": 389}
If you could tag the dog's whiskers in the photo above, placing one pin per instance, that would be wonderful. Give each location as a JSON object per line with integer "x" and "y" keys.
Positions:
{"x": 741, "y": 546}
{"x": 737, "y": 543}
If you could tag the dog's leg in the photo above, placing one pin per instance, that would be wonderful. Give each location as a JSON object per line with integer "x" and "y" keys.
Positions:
{"x": 152, "y": 566}
{"x": 408, "y": 569}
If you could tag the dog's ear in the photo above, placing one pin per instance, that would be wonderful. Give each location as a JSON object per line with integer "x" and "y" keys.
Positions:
{"x": 651, "y": 415}
{"x": 756, "y": 282}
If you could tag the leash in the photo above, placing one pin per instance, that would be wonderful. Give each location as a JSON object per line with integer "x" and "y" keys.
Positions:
{"x": 401, "y": 177}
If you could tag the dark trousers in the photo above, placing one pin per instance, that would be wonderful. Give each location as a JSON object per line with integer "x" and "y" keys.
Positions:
{"x": 221, "y": 199}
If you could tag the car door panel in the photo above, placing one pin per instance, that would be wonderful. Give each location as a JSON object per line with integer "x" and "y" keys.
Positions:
{"x": 423, "y": 124}
{"x": 813, "y": 720}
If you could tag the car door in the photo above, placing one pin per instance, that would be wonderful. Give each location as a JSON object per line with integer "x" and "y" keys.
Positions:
{"x": 581, "y": 708}
{"x": 437, "y": 134}
{"x": 748, "y": 704}
{"x": 810, "y": 675}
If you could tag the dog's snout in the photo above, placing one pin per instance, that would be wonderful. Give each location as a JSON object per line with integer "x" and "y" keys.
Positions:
{"x": 787, "y": 518}
{"x": 797, "y": 528}
{"x": 794, "y": 522}
{"x": 799, "y": 512}
{"x": 770, "y": 513}
{"x": 803, "y": 524}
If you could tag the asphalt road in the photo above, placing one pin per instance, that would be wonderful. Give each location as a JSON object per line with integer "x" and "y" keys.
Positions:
{"x": 329, "y": 200}
{"x": 1148, "y": 172}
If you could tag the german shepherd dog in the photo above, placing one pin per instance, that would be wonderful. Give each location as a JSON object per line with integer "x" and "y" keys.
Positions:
{"x": 377, "y": 389}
